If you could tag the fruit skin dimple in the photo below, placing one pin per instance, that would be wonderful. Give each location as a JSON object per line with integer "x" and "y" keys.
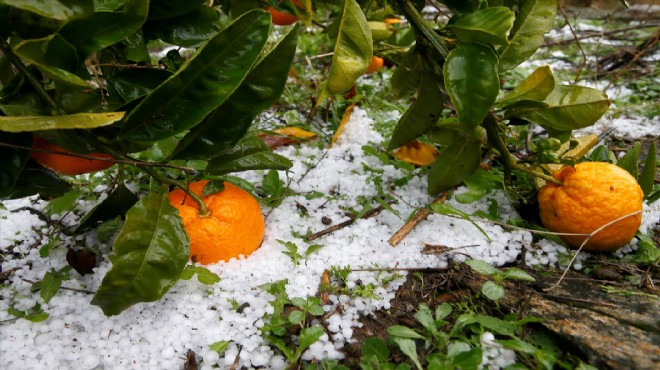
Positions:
{"x": 234, "y": 227}
{"x": 593, "y": 194}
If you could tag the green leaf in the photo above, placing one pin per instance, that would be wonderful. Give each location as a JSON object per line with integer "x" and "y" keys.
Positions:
{"x": 205, "y": 82}
{"x": 102, "y": 29}
{"x": 482, "y": 267}
{"x": 50, "y": 9}
{"x": 173, "y": 8}
{"x": 648, "y": 253}
{"x": 517, "y": 345}
{"x": 488, "y": 26}
{"x": 629, "y": 161}
{"x": 188, "y": 30}
{"x": 148, "y": 256}
{"x": 219, "y": 347}
{"x": 517, "y": 274}
{"x": 537, "y": 86}
{"x": 468, "y": 360}
{"x": 472, "y": 82}
{"x": 260, "y": 90}
{"x": 570, "y": 107}
{"x": 533, "y": 19}
{"x": 479, "y": 184}
{"x": 308, "y": 336}
{"x": 353, "y": 49}
{"x": 296, "y": 317}
{"x": 36, "y": 180}
{"x": 407, "y": 76}
{"x": 54, "y": 56}
{"x": 132, "y": 83}
{"x": 492, "y": 291}
{"x": 424, "y": 317}
{"x": 50, "y": 285}
{"x": 442, "y": 311}
{"x": 647, "y": 177}
{"x": 422, "y": 115}
{"x": 408, "y": 347}
{"x": 375, "y": 347}
{"x": 118, "y": 202}
{"x": 63, "y": 204}
{"x": 256, "y": 161}
{"x": 454, "y": 164}
{"x": 496, "y": 325}
{"x": 401, "y": 331}
{"x": 70, "y": 121}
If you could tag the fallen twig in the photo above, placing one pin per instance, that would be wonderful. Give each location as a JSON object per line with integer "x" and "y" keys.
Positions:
{"x": 412, "y": 223}
{"x": 341, "y": 225}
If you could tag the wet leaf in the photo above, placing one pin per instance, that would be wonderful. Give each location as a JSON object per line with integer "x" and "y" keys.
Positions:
{"x": 50, "y": 285}
{"x": 257, "y": 161}
{"x": 49, "y": 9}
{"x": 148, "y": 256}
{"x": 205, "y": 82}
{"x": 629, "y": 161}
{"x": 535, "y": 87}
{"x": 54, "y": 56}
{"x": 36, "y": 180}
{"x": 422, "y": 115}
{"x": 570, "y": 107}
{"x": 173, "y": 8}
{"x": 69, "y": 121}
{"x": 488, "y": 26}
{"x": 116, "y": 204}
{"x": 533, "y": 19}
{"x": 131, "y": 83}
{"x": 102, "y": 29}
{"x": 188, "y": 30}
{"x": 456, "y": 162}
{"x": 472, "y": 81}
{"x": 352, "y": 52}
{"x": 261, "y": 88}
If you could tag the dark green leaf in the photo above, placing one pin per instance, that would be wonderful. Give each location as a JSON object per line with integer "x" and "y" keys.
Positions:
{"x": 136, "y": 49}
{"x": 488, "y": 26}
{"x": 249, "y": 153}
{"x": 36, "y": 180}
{"x": 647, "y": 177}
{"x": 206, "y": 81}
{"x": 50, "y": 9}
{"x": 131, "y": 83}
{"x": 260, "y": 89}
{"x": 309, "y": 336}
{"x": 629, "y": 161}
{"x": 407, "y": 76}
{"x": 173, "y": 8}
{"x": 458, "y": 161}
{"x": 375, "y": 347}
{"x": 102, "y": 29}
{"x": 472, "y": 82}
{"x": 50, "y": 285}
{"x": 116, "y": 204}
{"x": 468, "y": 360}
{"x": 352, "y": 52}
{"x": 422, "y": 115}
{"x": 148, "y": 256}
{"x": 479, "y": 184}
{"x": 54, "y": 56}
{"x": 533, "y": 19}
{"x": 188, "y": 30}
{"x": 496, "y": 325}
{"x": 63, "y": 204}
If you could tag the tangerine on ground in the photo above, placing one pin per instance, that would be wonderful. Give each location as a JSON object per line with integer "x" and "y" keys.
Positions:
{"x": 281, "y": 18}
{"x": 375, "y": 64}
{"x": 593, "y": 194}
{"x": 66, "y": 164}
{"x": 235, "y": 225}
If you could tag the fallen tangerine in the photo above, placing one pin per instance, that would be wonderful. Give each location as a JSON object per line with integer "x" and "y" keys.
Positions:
{"x": 234, "y": 227}
{"x": 593, "y": 194}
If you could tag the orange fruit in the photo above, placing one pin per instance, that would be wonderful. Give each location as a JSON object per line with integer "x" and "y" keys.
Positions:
{"x": 235, "y": 225}
{"x": 66, "y": 164}
{"x": 593, "y": 194}
{"x": 281, "y": 18}
{"x": 375, "y": 64}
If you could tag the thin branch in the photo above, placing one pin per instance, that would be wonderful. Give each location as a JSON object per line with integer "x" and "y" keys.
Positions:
{"x": 577, "y": 42}
{"x": 408, "y": 227}
{"x": 61, "y": 287}
{"x": 341, "y": 225}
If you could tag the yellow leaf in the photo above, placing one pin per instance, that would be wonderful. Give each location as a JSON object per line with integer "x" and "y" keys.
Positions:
{"x": 296, "y": 132}
{"x": 342, "y": 124}
{"x": 417, "y": 153}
